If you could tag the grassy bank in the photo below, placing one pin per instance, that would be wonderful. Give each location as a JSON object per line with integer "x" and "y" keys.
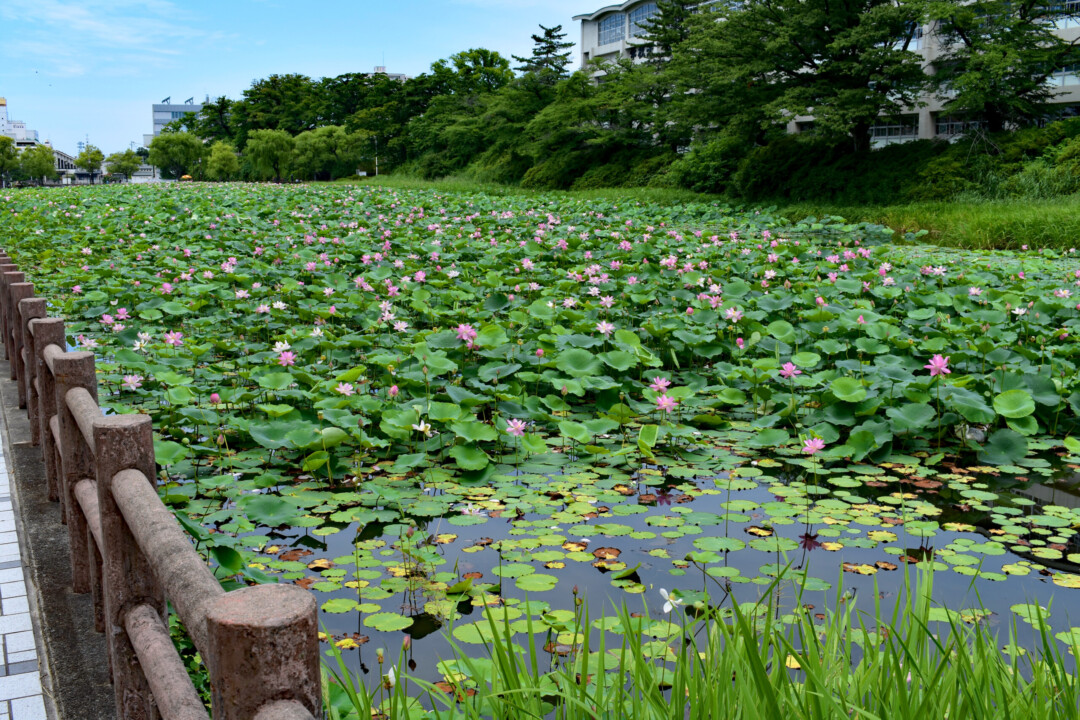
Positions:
{"x": 973, "y": 223}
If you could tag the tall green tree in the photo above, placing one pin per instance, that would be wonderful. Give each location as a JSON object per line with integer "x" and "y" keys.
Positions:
{"x": 289, "y": 103}
{"x": 845, "y": 64}
{"x": 90, "y": 160}
{"x": 9, "y": 159}
{"x": 1000, "y": 56}
{"x": 214, "y": 122}
{"x": 550, "y": 56}
{"x": 472, "y": 72}
{"x": 667, "y": 29}
{"x": 222, "y": 164}
{"x": 177, "y": 153}
{"x": 328, "y": 152}
{"x": 270, "y": 153}
{"x": 39, "y": 163}
{"x": 124, "y": 163}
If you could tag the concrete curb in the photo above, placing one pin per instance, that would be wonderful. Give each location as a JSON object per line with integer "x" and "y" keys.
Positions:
{"x": 73, "y": 656}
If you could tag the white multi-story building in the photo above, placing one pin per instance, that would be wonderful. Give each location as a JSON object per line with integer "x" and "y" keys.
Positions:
{"x": 381, "y": 70}
{"x": 166, "y": 111}
{"x": 26, "y": 138}
{"x": 23, "y": 136}
{"x": 615, "y": 31}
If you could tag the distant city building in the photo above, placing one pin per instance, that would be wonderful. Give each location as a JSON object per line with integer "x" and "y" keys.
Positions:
{"x": 23, "y": 136}
{"x": 616, "y": 31}
{"x": 166, "y": 112}
{"x": 26, "y": 138}
{"x": 381, "y": 70}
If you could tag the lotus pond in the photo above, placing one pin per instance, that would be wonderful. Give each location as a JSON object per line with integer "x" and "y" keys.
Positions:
{"x": 420, "y": 406}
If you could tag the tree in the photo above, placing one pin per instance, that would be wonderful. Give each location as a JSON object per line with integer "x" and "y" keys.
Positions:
{"x": 472, "y": 72}
{"x": 845, "y": 64}
{"x": 999, "y": 57}
{"x": 176, "y": 153}
{"x": 223, "y": 163}
{"x": 328, "y": 152}
{"x": 9, "y": 159}
{"x": 667, "y": 29}
{"x": 280, "y": 102}
{"x": 124, "y": 163}
{"x": 550, "y": 56}
{"x": 90, "y": 160}
{"x": 270, "y": 152}
{"x": 39, "y": 162}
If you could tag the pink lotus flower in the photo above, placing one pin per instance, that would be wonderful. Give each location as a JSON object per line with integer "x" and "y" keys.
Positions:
{"x": 466, "y": 333}
{"x": 861, "y": 320}
{"x": 345, "y": 389}
{"x": 516, "y": 427}
{"x": 789, "y": 370}
{"x": 938, "y": 366}
{"x": 660, "y": 384}
{"x": 176, "y": 339}
{"x": 215, "y": 398}
{"x": 539, "y": 352}
{"x": 740, "y": 342}
{"x": 665, "y": 403}
{"x": 605, "y": 328}
{"x": 76, "y": 289}
{"x": 122, "y": 314}
{"x": 287, "y": 358}
{"x": 813, "y": 446}
{"x": 394, "y": 391}
{"x": 133, "y": 382}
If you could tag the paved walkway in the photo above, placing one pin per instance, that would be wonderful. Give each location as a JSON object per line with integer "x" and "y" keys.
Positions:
{"x": 21, "y": 695}
{"x": 53, "y": 664}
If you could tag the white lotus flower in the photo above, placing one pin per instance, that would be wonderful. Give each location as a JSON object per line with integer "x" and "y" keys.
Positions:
{"x": 670, "y": 601}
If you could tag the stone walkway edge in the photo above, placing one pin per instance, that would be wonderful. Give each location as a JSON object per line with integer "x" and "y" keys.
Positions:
{"x": 46, "y": 631}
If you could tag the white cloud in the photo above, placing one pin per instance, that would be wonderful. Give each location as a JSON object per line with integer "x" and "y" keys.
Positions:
{"x": 109, "y": 37}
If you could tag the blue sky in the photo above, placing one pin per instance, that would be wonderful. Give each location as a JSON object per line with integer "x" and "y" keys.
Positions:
{"x": 78, "y": 68}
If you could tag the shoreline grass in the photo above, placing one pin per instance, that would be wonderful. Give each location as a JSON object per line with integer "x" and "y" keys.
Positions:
{"x": 746, "y": 661}
{"x": 973, "y": 224}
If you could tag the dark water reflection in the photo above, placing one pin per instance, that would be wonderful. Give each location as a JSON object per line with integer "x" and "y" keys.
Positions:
{"x": 952, "y": 590}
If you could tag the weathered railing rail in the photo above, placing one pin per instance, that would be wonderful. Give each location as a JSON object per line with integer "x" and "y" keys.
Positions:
{"x": 260, "y": 644}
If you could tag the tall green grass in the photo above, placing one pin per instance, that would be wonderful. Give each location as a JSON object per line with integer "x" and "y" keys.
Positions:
{"x": 968, "y": 223}
{"x": 749, "y": 661}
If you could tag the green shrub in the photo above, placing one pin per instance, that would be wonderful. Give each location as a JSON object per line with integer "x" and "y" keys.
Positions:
{"x": 709, "y": 167}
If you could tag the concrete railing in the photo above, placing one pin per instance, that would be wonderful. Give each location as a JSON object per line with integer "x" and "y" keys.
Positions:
{"x": 260, "y": 644}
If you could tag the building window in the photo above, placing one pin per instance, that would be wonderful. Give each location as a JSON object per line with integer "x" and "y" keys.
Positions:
{"x": 176, "y": 115}
{"x": 1068, "y": 75}
{"x": 951, "y": 127}
{"x": 640, "y": 16}
{"x": 640, "y": 52}
{"x": 885, "y": 132}
{"x": 1071, "y": 9}
{"x": 916, "y": 41}
{"x": 612, "y": 28}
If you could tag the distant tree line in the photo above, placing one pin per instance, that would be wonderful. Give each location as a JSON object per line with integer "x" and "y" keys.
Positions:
{"x": 718, "y": 87}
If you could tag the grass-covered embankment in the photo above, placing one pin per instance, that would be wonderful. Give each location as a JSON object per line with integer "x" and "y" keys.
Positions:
{"x": 972, "y": 224}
